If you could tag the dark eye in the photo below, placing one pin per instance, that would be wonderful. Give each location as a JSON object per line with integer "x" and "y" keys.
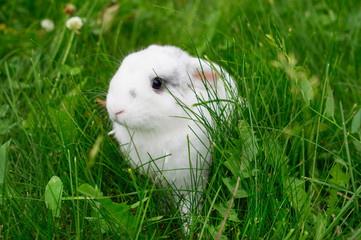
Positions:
{"x": 157, "y": 83}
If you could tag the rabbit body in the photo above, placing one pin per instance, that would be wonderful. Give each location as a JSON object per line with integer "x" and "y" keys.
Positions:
{"x": 157, "y": 124}
{"x": 165, "y": 154}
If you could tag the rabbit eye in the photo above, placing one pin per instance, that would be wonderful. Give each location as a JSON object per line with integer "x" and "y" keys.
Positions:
{"x": 157, "y": 83}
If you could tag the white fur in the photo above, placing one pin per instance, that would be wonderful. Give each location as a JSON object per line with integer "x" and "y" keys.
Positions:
{"x": 154, "y": 130}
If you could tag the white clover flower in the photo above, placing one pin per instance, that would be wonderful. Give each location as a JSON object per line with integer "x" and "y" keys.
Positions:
{"x": 74, "y": 23}
{"x": 47, "y": 24}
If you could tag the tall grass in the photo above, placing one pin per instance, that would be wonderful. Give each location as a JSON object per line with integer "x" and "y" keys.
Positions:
{"x": 294, "y": 148}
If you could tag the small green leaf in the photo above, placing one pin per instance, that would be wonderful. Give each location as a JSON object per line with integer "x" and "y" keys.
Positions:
{"x": 120, "y": 214}
{"x": 339, "y": 177}
{"x": 75, "y": 71}
{"x": 249, "y": 141}
{"x": 306, "y": 89}
{"x": 153, "y": 219}
{"x": 341, "y": 162}
{"x": 243, "y": 151}
{"x": 247, "y": 174}
{"x": 330, "y": 104}
{"x": 231, "y": 185}
{"x": 135, "y": 205}
{"x": 320, "y": 226}
{"x": 3, "y": 160}
{"x": 234, "y": 166}
{"x": 213, "y": 231}
{"x": 64, "y": 69}
{"x": 295, "y": 188}
{"x": 53, "y": 194}
{"x": 222, "y": 209}
{"x": 6, "y": 125}
{"x": 356, "y": 122}
{"x": 89, "y": 191}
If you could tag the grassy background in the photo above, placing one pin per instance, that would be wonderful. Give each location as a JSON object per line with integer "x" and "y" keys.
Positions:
{"x": 297, "y": 63}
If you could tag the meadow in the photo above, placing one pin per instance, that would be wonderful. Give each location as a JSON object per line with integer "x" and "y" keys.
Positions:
{"x": 287, "y": 165}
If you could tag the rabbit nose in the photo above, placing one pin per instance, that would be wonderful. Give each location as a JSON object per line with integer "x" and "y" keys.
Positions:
{"x": 116, "y": 114}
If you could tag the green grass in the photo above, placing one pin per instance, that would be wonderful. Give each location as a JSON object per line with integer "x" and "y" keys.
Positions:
{"x": 297, "y": 141}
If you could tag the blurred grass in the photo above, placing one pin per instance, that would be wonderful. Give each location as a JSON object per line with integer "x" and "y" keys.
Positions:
{"x": 300, "y": 159}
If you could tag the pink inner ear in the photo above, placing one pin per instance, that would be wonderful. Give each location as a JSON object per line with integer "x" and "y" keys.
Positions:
{"x": 210, "y": 76}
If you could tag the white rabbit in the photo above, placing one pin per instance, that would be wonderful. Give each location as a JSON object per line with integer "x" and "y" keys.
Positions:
{"x": 151, "y": 101}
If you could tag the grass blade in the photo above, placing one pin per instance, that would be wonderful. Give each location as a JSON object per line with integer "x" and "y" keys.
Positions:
{"x": 349, "y": 157}
{"x": 3, "y": 161}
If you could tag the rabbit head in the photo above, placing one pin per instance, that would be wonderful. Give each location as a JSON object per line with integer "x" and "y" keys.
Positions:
{"x": 149, "y": 85}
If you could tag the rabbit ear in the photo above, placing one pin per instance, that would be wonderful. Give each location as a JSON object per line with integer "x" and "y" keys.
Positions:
{"x": 209, "y": 75}
{"x": 202, "y": 70}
